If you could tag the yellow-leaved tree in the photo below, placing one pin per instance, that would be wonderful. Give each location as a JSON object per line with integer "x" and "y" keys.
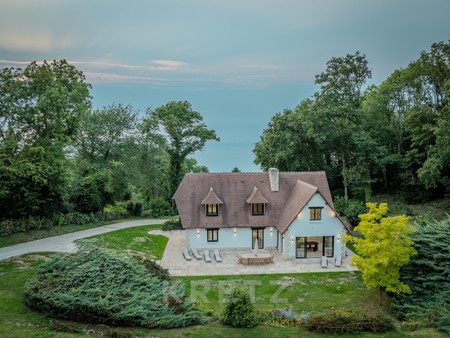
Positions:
{"x": 385, "y": 246}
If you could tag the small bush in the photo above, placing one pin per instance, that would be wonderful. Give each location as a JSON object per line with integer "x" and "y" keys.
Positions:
{"x": 239, "y": 310}
{"x": 134, "y": 209}
{"x": 342, "y": 321}
{"x": 280, "y": 317}
{"x": 172, "y": 224}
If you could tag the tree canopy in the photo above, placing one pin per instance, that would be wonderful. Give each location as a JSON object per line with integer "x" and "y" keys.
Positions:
{"x": 385, "y": 246}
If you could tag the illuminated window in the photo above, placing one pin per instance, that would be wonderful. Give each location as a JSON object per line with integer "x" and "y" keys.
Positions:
{"x": 212, "y": 210}
{"x": 257, "y": 209}
{"x": 212, "y": 235}
{"x": 315, "y": 214}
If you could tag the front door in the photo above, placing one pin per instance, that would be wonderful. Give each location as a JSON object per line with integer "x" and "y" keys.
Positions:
{"x": 258, "y": 235}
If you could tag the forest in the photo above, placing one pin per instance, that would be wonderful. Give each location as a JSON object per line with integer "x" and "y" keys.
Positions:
{"x": 60, "y": 158}
{"x": 392, "y": 139}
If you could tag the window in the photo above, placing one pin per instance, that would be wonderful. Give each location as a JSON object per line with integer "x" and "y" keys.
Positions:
{"x": 328, "y": 246}
{"x": 212, "y": 210}
{"x": 315, "y": 214}
{"x": 212, "y": 235}
{"x": 257, "y": 209}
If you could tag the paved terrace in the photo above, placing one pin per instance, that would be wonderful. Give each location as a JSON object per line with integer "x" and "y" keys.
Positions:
{"x": 174, "y": 261}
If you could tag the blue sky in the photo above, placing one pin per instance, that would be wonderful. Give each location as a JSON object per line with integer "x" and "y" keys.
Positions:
{"x": 238, "y": 62}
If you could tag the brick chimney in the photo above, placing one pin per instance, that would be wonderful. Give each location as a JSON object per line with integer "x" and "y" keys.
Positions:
{"x": 274, "y": 179}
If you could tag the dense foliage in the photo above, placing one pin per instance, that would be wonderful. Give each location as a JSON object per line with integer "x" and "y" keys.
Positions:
{"x": 97, "y": 286}
{"x": 239, "y": 310}
{"x": 342, "y": 321}
{"x": 59, "y": 156}
{"x": 428, "y": 276}
{"x": 387, "y": 139}
{"x": 384, "y": 247}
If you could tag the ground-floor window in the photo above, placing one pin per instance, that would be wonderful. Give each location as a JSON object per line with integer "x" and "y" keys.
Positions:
{"x": 212, "y": 235}
{"x": 314, "y": 246}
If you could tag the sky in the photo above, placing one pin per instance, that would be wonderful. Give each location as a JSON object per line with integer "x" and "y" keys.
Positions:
{"x": 238, "y": 62}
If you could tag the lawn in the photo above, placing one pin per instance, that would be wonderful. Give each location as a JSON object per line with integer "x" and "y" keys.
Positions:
{"x": 308, "y": 292}
{"x": 134, "y": 240}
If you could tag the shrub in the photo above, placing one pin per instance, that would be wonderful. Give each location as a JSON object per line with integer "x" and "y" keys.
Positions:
{"x": 154, "y": 269}
{"x": 280, "y": 317}
{"x": 427, "y": 274}
{"x": 97, "y": 286}
{"x": 350, "y": 209}
{"x": 134, "y": 209}
{"x": 172, "y": 224}
{"x": 341, "y": 321}
{"x": 239, "y": 310}
{"x": 160, "y": 207}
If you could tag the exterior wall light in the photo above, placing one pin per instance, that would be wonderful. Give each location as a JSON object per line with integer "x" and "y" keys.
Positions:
{"x": 198, "y": 232}
{"x": 234, "y": 231}
{"x": 271, "y": 230}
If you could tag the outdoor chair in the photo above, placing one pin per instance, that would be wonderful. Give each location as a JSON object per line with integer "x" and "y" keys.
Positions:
{"x": 338, "y": 261}
{"x": 196, "y": 254}
{"x": 324, "y": 261}
{"x": 217, "y": 256}
{"x": 207, "y": 257}
{"x": 186, "y": 255}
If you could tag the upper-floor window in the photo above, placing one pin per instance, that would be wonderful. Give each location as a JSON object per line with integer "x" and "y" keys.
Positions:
{"x": 212, "y": 210}
{"x": 315, "y": 213}
{"x": 257, "y": 209}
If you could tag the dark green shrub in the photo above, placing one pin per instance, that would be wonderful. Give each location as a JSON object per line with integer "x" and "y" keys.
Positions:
{"x": 160, "y": 207}
{"x": 134, "y": 209}
{"x": 342, "y": 321}
{"x": 97, "y": 286}
{"x": 172, "y": 224}
{"x": 427, "y": 274}
{"x": 350, "y": 209}
{"x": 239, "y": 310}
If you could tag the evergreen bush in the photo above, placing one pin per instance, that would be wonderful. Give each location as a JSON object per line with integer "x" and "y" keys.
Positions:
{"x": 239, "y": 310}
{"x": 428, "y": 276}
{"x": 172, "y": 224}
{"x": 97, "y": 286}
{"x": 343, "y": 321}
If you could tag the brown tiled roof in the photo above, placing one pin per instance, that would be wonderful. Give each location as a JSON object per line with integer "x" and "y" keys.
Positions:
{"x": 256, "y": 197}
{"x": 211, "y": 198}
{"x": 295, "y": 190}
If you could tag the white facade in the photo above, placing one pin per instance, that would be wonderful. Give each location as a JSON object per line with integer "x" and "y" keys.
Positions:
{"x": 304, "y": 237}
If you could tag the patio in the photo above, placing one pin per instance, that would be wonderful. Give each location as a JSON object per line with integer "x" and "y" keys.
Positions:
{"x": 173, "y": 261}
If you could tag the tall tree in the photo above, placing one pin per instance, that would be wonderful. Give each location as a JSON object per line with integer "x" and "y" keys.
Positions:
{"x": 336, "y": 122}
{"x": 40, "y": 111}
{"x": 184, "y": 131}
{"x": 385, "y": 246}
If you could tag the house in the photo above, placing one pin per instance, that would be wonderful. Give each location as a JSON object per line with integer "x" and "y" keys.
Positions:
{"x": 290, "y": 212}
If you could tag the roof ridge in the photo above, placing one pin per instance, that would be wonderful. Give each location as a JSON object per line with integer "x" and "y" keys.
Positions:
{"x": 256, "y": 173}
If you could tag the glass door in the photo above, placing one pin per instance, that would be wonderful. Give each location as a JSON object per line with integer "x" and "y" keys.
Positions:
{"x": 258, "y": 235}
{"x": 300, "y": 247}
{"x": 328, "y": 246}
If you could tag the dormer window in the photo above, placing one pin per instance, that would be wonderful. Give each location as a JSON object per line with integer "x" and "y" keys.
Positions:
{"x": 257, "y": 202}
{"x": 257, "y": 209}
{"x": 212, "y": 210}
{"x": 211, "y": 203}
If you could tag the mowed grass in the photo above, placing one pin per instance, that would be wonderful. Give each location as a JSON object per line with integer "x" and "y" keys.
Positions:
{"x": 308, "y": 292}
{"x": 134, "y": 241}
{"x": 23, "y": 237}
